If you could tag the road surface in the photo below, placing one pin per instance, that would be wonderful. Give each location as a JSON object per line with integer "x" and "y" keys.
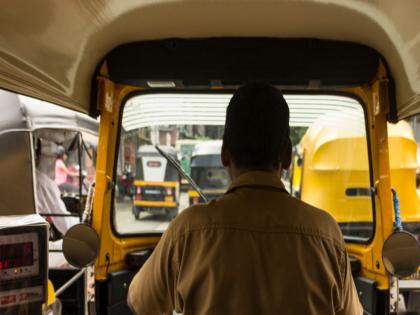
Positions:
{"x": 148, "y": 223}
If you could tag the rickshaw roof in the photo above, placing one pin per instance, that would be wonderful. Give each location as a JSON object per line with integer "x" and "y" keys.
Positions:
{"x": 347, "y": 124}
{"x": 401, "y": 130}
{"x": 21, "y": 113}
{"x": 51, "y": 49}
{"x": 207, "y": 147}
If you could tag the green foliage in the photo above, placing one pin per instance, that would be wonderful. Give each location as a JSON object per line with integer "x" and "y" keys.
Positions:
{"x": 296, "y": 134}
{"x": 203, "y": 138}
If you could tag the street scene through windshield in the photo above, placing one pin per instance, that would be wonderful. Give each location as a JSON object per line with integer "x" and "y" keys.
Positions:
{"x": 325, "y": 132}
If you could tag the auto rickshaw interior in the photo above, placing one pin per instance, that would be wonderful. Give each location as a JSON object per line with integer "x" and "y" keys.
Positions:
{"x": 145, "y": 89}
{"x": 98, "y": 56}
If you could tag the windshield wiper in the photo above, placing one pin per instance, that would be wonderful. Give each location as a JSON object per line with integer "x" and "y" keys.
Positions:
{"x": 178, "y": 167}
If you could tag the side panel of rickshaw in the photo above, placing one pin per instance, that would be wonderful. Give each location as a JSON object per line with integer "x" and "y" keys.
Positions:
{"x": 337, "y": 180}
{"x": 403, "y": 163}
{"x": 16, "y": 165}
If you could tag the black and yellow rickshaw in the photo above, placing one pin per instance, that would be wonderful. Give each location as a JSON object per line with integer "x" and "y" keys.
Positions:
{"x": 156, "y": 184}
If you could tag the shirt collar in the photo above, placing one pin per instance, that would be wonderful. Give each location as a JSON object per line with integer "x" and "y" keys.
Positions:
{"x": 257, "y": 179}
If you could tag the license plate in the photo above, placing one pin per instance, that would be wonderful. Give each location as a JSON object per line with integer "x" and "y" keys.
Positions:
{"x": 152, "y": 192}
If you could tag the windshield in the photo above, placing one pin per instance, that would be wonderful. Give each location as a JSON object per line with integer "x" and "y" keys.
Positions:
{"x": 330, "y": 168}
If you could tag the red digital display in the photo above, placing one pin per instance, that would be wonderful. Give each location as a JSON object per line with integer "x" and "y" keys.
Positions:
{"x": 16, "y": 255}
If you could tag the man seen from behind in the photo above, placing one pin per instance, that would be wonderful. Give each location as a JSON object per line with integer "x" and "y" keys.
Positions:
{"x": 257, "y": 250}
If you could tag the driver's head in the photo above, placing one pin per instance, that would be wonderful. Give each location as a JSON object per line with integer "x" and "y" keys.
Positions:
{"x": 257, "y": 129}
{"x": 61, "y": 152}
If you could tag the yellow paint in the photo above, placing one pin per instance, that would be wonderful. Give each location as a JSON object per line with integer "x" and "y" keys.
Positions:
{"x": 336, "y": 160}
{"x": 157, "y": 204}
{"x": 371, "y": 254}
{"x": 162, "y": 184}
{"x": 113, "y": 248}
{"x": 403, "y": 164}
{"x": 194, "y": 193}
{"x": 51, "y": 293}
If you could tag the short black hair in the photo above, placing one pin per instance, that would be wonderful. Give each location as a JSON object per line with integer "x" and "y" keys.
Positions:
{"x": 257, "y": 127}
{"x": 60, "y": 151}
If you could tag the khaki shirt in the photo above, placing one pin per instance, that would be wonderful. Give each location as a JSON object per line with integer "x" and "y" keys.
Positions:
{"x": 257, "y": 250}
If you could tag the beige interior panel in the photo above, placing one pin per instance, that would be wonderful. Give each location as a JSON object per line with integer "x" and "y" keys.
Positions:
{"x": 50, "y": 49}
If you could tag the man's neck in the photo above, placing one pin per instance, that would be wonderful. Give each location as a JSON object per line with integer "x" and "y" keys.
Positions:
{"x": 236, "y": 172}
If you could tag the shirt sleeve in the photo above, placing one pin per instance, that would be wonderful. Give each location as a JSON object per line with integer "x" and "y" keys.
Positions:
{"x": 59, "y": 164}
{"x": 153, "y": 288}
{"x": 350, "y": 303}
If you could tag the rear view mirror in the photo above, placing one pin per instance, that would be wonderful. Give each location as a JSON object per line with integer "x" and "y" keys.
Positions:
{"x": 401, "y": 254}
{"x": 81, "y": 245}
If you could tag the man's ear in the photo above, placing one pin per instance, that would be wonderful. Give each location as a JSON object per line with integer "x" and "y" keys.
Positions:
{"x": 287, "y": 159}
{"x": 225, "y": 156}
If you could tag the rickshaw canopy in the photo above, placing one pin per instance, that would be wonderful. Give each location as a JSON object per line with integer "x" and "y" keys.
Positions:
{"x": 21, "y": 113}
{"x": 21, "y": 118}
{"x": 147, "y": 150}
{"x": 208, "y": 147}
{"x": 52, "y": 50}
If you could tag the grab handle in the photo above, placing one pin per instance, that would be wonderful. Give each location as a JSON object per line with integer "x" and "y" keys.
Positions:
{"x": 396, "y": 202}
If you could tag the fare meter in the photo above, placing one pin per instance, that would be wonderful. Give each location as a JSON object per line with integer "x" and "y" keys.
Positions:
{"x": 23, "y": 264}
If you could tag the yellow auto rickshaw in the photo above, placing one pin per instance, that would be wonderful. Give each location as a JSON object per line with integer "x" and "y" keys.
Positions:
{"x": 339, "y": 183}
